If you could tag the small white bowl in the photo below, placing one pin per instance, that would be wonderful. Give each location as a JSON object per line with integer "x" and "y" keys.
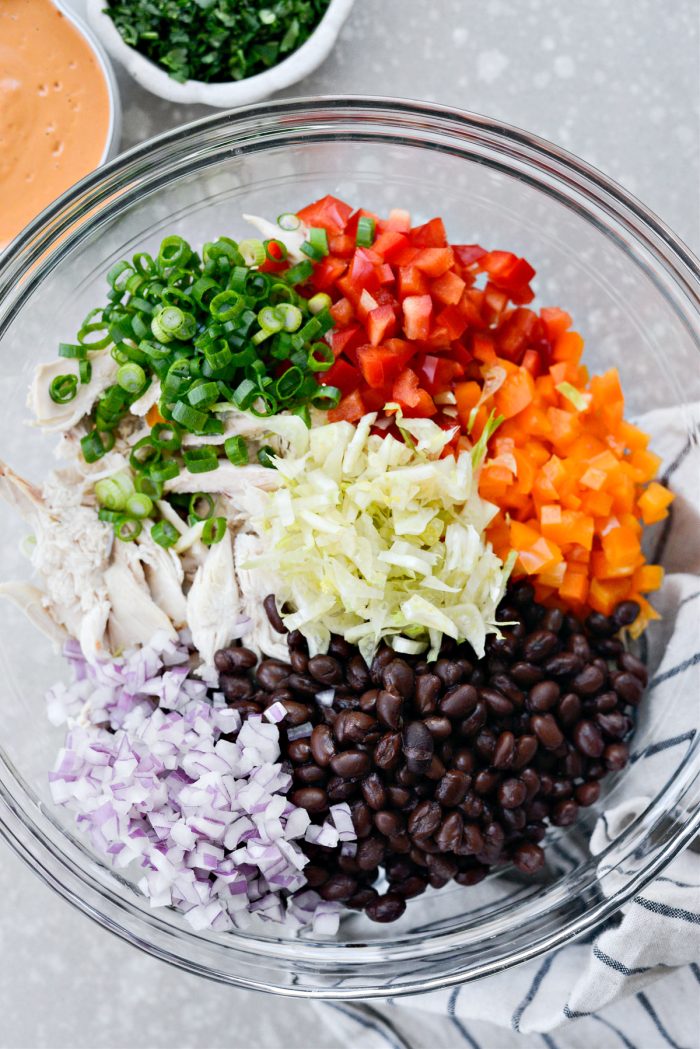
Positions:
{"x": 115, "y": 113}
{"x": 232, "y": 93}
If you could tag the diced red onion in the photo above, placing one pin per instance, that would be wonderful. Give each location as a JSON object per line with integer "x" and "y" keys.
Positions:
{"x": 300, "y": 731}
{"x": 325, "y": 698}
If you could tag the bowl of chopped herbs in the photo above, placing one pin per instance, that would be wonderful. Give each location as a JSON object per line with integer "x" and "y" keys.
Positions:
{"x": 220, "y": 53}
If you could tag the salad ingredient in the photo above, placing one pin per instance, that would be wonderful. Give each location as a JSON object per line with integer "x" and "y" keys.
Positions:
{"x": 177, "y": 784}
{"x": 54, "y": 110}
{"x": 375, "y": 538}
{"x": 453, "y": 766}
{"x": 217, "y": 41}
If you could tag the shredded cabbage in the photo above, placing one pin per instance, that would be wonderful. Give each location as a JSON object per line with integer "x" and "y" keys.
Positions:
{"x": 374, "y": 538}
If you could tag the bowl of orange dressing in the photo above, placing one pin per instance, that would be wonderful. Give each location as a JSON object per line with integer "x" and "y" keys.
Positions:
{"x": 59, "y": 108}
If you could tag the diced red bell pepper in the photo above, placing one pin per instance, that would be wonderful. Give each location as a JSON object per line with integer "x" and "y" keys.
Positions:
{"x": 454, "y": 321}
{"x": 327, "y": 272}
{"x": 341, "y": 244}
{"x": 328, "y": 212}
{"x": 398, "y": 220}
{"x": 412, "y": 282}
{"x": 448, "y": 288}
{"x": 506, "y": 270}
{"x": 409, "y": 394}
{"x": 555, "y": 322}
{"x": 436, "y": 374}
{"x": 434, "y": 261}
{"x": 389, "y": 244}
{"x": 430, "y": 235}
{"x": 381, "y": 365}
{"x": 347, "y": 341}
{"x": 366, "y": 304}
{"x": 417, "y": 313}
{"x": 515, "y": 334}
{"x": 343, "y": 375}
{"x": 362, "y": 271}
{"x": 381, "y": 323}
{"x": 342, "y": 312}
{"x": 468, "y": 254}
{"x": 351, "y": 409}
{"x": 385, "y": 273}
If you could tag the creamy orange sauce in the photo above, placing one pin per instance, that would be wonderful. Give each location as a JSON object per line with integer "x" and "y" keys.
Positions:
{"x": 54, "y": 110}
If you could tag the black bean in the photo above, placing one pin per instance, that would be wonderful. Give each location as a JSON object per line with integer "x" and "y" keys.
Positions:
{"x": 615, "y": 756}
{"x": 246, "y": 707}
{"x": 528, "y": 858}
{"x": 340, "y": 789}
{"x": 271, "y": 674}
{"x": 553, "y": 620}
{"x": 561, "y": 788}
{"x": 569, "y": 709}
{"x": 400, "y": 843}
{"x": 629, "y": 662}
{"x": 322, "y": 745}
{"x": 352, "y": 726}
{"x": 573, "y": 764}
{"x": 587, "y": 793}
{"x": 452, "y": 788}
{"x": 448, "y": 837}
{"x": 539, "y": 645}
{"x": 418, "y": 746}
{"x": 628, "y": 687}
{"x": 473, "y": 875}
{"x": 326, "y": 670}
{"x": 435, "y": 770}
{"x": 382, "y": 657}
{"x": 511, "y": 793}
{"x": 459, "y": 701}
{"x": 547, "y": 731}
{"x": 388, "y": 751}
{"x": 464, "y": 759}
{"x": 425, "y": 819}
{"x": 525, "y": 750}
{"x": 600, "y": 625}
{"x": 303, "y": 684}
{"x": 307, "y": 774}
{"x": 389, "y": 707}
{"x": 503, "y": 683}
{"x": 588, "y": 681}
{"x": 339, "y": 886}
{"x": 514, "y": 820}
{"x": 295, "y": 639}
{"x": 526, "y": 674}
{"x": 368, "y": 701}
{"x": 374, "y": 791}
{"x": 313, "y": 799}
{"x": 299, "y": 751}
{"x": 427, "y": 689}
{"x": 578, "y": 646}
{"x": 361, "y": 818}
{"x": 270, "y": 606}
{"x": 362, "y": 898}
{"x": 297, "y": 713}
{"x": 412, "y": 886}
{"x": 472, "y": 806}
{"x": 233, "y": 660}
{"x": 564, "y": 813}
{"x": 442, "y": 868}
{"x": 438, "y": 727}
{"x": 397, "y": 677}
{"x": 562, "y": 664}
{"x": 388, "y": 822}
{"x": 350, "y": 763}
{"x": 406, "y": 778}
{"x": 496, "y": 702}
{"x": 626, "y": 613}
{"x": 609, "y": 647}
{"x": 315, "y": 875}
{"x": 543, "y": 696}
{"x": 398, "y": 797}
{"x": 235, "y": 687}
{"x": 357, "y": 674}
{"x": 588, "y": 738}
{"x": 449, "y": 671}
{"x": 386, "y": 908}
{"x": 503, "y": 648}
{"x": 340, "y": 648}
{"x": 486, "y": 781}
{"x": 532, "y": 782}
{"x": 485, "y": 745}
{"x": 298, "y": 660}
{"x": 504, "y": 751}
{"x": 605, "y": 702}
{"x": 613, "y": 724}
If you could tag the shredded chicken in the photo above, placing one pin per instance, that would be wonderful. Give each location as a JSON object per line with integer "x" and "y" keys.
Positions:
{"x": 214, "y": 601}
{"x": 52, "y": 416}
{"x": 255, "y": 584}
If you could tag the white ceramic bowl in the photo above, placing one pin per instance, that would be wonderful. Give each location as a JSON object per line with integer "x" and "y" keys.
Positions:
{"x": 229, "y": 94}
{"x": 115, "y": 122}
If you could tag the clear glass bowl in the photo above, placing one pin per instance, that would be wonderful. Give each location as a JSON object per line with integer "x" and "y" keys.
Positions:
{"x": 633, "y": 289}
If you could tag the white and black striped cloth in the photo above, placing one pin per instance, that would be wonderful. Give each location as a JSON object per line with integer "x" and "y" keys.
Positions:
{"x": 635, "y": 982}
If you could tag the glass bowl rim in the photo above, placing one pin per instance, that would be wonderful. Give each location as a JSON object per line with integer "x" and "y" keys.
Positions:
{"x": 28, "y": 255}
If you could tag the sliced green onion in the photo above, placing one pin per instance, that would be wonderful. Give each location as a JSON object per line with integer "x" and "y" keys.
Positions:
{"x": 291, "y": 315}
{"x": 237, "y": 450}
{"x": 328, "y": 397}
{"x": 289, "y": 384}
{"x": 177, "y": 379}
{"x": 204, "y": 395}
{"x": 132, "y": 378}
{"x": 253, "y": 251}
{"x": 270, "y": 319}
{"x": 214, "y": 530}
{"x": 201, "y": 460}
{"x": 280, "y": 250}
{"x": 144, "y": 454}
{"x": 165, "y": 534}
{"x": 144, "y": 264}
{"x": 195, "y": 509}
{"x": 226, "y": 305}
{"x": 319, "y": 302}
{"x": 63, "y": 388}
{"x": 113, "y": 492}
{"x": 147, "y": 485}
{"x": 302, "y": 410}
{"x": 139, "y": 505}
{"x": 288, "y": 221}
{"x": 189, "y": 417}
{"x": 118, "y": 276}
{"x": 245, "y": 394}
{"x": 298, "y": 274}
{"x": 319, "y": 239}
{"x": 110, "y": 516}
{"x": 366, "y": 228}
{"x": 96, "y": 444}
{"x": 160, "y": 472}
{"x": 321, "y": 357}
{"x": 71, "y": 350}
{"x": 266, "y": 457}
{"x": 85, "y": 371}
{"x": 166, "y": 436}
{"x": 218, "y": 355}
{"x": 312, "y": 251}
{"x": 128, "y": 529}
{"x": 171, "y": 322}
{"x": 261, "y": 336}
{"x": 174, "y": 251}
{"x": 264, "y": 405}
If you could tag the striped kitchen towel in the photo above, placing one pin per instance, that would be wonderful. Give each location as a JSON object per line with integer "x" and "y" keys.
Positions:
{"x": 635, "y": 981}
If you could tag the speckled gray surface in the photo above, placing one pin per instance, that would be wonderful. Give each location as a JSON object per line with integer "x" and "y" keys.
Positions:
{"x": 617, "y": 84}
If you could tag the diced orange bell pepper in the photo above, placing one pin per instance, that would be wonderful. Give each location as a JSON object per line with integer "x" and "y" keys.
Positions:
{"x": 654, "y": 503}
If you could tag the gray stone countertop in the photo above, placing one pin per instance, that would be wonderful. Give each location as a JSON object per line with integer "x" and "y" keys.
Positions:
{"x": 617, "y": 84}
